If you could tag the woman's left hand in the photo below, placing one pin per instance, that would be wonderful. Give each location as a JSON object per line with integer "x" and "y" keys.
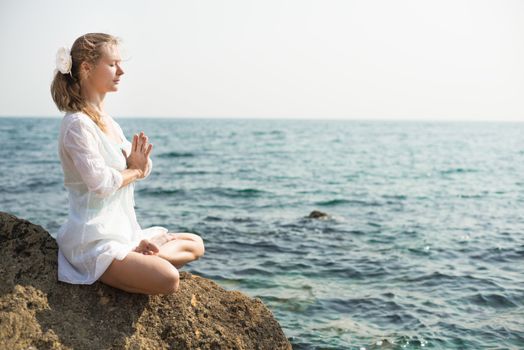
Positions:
{"x": 152, "y": 246}
{"x": 147, "y": 248}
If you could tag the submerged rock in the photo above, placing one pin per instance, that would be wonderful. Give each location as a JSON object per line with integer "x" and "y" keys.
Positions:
{"x": 315, "y": 214}
{"x": 38, "y": 312}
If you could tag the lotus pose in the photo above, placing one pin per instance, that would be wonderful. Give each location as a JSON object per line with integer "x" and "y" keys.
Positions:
{"x": 101, "y": 239}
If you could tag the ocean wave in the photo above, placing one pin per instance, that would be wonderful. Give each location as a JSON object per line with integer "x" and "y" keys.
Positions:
{"x": 354, "y": 202}
{"x": 254, "y": 271}
{"x": 272, "y": 132}
{"x": 175, "y": 154}
{"x": 160, "y": 192}
{"x": 399, "y": 197}
{"x": 212, "y": 218}
{"x": 287, "y": 266}
{"x": 229, "y": 192}
{"x": 35, "y": 185}
{"x": 494, "y": 300}
{"x": 46, "y": 161}
{"x": 458, "y": 171}
{"x": 239, "y": 246}
{"x": 237, "y": 219}
{"x": 193, "y": 172}
{"x": 432, "y": 278}
{"x": 500, "y": 254}
{"x": 458, "y": 282}
{"x": 340, "y": 272}
{"x": 357, "y": 306}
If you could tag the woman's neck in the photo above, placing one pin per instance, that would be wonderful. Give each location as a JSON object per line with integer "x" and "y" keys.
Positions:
{"x": 94, "y": 100}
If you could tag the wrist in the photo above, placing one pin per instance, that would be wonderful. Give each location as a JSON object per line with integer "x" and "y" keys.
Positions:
{"x": 139, "y": 174}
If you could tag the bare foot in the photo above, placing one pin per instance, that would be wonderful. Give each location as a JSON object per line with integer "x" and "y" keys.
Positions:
{"x": 147, "y": 247}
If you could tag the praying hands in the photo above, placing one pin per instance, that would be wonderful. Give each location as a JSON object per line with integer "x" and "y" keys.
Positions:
{"x": 140, "y": 151}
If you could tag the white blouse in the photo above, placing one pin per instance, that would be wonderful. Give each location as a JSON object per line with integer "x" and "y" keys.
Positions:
{"x": 101, "y": 224}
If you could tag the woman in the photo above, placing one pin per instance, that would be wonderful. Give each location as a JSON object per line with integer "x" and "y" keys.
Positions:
{"x": 101, "y": 239}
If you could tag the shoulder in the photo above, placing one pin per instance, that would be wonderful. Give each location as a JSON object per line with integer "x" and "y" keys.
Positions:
{"x": 78, "y": 120}
{"x": 78, "y": 127}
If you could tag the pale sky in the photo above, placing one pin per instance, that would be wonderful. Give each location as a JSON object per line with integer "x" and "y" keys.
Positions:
{"x": 367, "y": 59}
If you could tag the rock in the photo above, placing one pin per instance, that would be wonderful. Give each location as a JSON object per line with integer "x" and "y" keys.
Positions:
{"x": 315, "y": 214}
{"x": 38, "y": 312}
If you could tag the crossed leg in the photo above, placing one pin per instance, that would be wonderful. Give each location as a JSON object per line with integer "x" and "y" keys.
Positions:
{"x": 152, "y": 267}
{"x": 139, "y": 273}
{"x": 184, "y": 248}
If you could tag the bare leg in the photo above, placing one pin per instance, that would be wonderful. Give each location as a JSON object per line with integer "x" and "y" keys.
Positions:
{"x": 139, "y": 273}
{"x": 186, "y": 247}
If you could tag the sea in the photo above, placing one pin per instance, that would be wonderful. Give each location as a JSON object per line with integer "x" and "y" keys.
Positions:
{"x": 422, "y": 246}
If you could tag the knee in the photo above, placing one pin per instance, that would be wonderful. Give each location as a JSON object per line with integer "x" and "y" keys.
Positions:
{"x": 171, "y": 281}
{"x": 200, "y": 249}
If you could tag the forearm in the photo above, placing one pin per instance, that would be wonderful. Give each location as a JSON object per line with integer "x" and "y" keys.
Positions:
{"x": 130, "y": 175}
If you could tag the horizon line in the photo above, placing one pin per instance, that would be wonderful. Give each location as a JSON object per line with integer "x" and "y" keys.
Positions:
{"x": 356, "y": 119}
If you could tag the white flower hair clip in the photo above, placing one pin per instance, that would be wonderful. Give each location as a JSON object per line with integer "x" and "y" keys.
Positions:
{"x": 64, "y": 61}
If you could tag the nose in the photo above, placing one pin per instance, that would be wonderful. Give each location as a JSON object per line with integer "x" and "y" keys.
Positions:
{"x": 119, "y": 71}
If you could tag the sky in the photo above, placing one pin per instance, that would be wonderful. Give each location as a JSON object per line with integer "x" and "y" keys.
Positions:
{"x": 325, "y": 59}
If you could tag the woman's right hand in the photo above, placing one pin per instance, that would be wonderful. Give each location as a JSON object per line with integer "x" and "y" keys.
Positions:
{"x": 140, "y": 150}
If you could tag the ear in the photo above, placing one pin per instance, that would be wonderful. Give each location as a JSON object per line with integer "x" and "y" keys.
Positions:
{"x": 85, "y": 69}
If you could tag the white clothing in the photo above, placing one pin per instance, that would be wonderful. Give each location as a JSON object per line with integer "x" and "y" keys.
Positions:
{"x": 101, "y": 225}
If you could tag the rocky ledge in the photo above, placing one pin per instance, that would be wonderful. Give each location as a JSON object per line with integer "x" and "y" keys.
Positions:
{"x": 38, "y": 312}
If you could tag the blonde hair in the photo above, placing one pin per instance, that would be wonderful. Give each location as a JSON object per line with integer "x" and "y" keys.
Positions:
{"x": 66, "y": 89}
